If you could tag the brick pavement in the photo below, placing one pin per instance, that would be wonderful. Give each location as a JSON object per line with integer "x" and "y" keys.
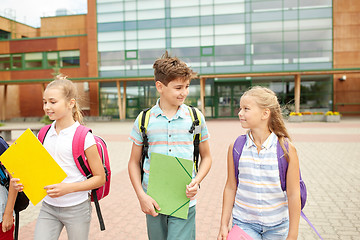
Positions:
{"x": 329, "y": 154}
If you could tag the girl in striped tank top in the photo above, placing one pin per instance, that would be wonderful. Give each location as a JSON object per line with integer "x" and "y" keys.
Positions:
{"x": 257, "y": 203}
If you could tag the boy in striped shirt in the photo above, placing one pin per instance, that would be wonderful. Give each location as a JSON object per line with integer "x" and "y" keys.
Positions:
{"x": 168, "y": 133}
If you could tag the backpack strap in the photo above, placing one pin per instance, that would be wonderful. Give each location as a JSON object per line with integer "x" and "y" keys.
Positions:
{"x": 144, "y": 117}
{"x": 78, "y": 145}
{"x": 78, "y": 152}
{"x": 196, "y": 129}
{"x": 283, "y": 166}
{"x": 237, "y": 150}
{"x": 4, "y": 178}
{"x": 282, "y": 163}
{"x": 311, "y": 225}
{"x": 42, "y": 133}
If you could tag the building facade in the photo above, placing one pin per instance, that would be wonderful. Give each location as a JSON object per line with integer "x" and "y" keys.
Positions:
{"x": 301, "y": 49}
{"x": 218, "y": 37}
{"x": 34, "y": 55}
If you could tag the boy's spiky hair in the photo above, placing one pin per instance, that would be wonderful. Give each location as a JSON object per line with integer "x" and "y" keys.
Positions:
{"x": 167, "y": 69}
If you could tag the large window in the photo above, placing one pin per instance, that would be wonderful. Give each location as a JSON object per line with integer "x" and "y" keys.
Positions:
{"x": 218, "y": 37}
{"x": 17, "y": 61}
{"x": 5, "y": 62}
{"x": 69, "y": 58}
{"x": 272, "y": 35}
{"x": 39, "y": 60}
{"x": 52, "y": 59}
{"x": 33, "y": 60}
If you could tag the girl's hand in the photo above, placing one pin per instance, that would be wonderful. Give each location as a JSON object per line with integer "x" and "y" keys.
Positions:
{"x": 7, "y": 222}
{"x": 224, "y": 231}
{"x": 192, "y": 189}
{"x": 148, "y": 205}
{"x": 17, "y": 185}
{"x": 57, "y": 190}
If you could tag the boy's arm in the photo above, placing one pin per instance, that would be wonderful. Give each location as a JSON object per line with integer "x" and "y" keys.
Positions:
{"x": 206, "y": 161}
{"x": 293, "y": 193}
{"x": 147, "y": 203}
{"x": 8, "y": 219}
{"x": 204, "y": 167}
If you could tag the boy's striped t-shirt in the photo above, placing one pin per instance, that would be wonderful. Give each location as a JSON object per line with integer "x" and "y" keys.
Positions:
{"x": 168, "y": 136}
{"x": 259, "y": 197}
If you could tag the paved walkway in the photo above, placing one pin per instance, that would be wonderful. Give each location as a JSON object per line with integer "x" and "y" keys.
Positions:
{"x": 329, "y": 158}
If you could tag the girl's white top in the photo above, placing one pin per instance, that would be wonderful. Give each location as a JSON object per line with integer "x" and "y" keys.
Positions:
{"x": 259, "y": 197}
{"x": 60, "y": 148}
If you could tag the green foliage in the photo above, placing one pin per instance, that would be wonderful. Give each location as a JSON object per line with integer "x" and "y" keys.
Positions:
{"x": 46, "y": 120}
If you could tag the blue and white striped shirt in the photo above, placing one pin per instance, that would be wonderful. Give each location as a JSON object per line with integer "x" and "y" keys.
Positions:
{"x": 259, "y": 197}
{"x": 168, "y": 136}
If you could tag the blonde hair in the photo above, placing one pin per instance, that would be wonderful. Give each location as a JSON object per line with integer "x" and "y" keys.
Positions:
{"x": 266, "y": 98}
{"x": 167, "y": 69}
{"x": 69, "y": 91}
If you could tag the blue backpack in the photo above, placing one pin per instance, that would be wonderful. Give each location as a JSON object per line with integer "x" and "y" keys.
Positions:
{"x": 283, "y": 166}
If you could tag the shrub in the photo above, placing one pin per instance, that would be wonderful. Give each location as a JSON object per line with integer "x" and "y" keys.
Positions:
{"x": 306, "y": 113}
{"x": 329, "y": 113}
{"x": 46, "y": 120}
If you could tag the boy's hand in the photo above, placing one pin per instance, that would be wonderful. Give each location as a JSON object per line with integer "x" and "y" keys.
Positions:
{"x": 56, "y": 190}
{"x": 17, "y": 185}
{"x": 7, "y": 222}
{"x": 148, "y": 205}
{"x": 192, "y": 189}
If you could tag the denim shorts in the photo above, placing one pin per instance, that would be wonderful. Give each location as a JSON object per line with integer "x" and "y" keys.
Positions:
{"x": 258, "y": 231}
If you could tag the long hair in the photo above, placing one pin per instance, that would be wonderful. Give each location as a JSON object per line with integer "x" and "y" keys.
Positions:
{"x": 69, "y": 91}
{"x": 266, "y": 98}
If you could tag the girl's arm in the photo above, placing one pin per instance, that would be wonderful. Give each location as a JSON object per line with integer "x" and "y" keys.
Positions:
{"x": 147, "y": 203}
{"x": 8, "y": 219}
{"x": 96, "y": 181}
{"x": 228, "y": 196}
{"x": 293, "y": 192}
{"x": 204, "y": 167}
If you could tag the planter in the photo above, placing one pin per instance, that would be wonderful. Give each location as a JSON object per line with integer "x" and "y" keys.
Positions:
{"x": 313, "y": 118}
{"x": 332, "y": 118}
{"x": 295, "y": 118}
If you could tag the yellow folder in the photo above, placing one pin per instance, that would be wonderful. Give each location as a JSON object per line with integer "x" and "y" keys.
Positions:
{"x": 167, "y": 184}
{"x": 29, "y": 161}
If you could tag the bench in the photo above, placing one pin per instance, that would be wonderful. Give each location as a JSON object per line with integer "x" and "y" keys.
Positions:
{"x": 5, "y": 132}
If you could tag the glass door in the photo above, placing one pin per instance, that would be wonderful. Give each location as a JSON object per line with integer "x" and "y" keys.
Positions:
{"x": 227, "y": 96}
{"x": 224, "y": 100}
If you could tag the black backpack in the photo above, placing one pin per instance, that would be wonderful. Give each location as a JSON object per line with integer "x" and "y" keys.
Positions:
{"x": 22, "y": 201}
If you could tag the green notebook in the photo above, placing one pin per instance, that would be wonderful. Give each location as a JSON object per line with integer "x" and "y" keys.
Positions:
{"x": 167, "y": 184}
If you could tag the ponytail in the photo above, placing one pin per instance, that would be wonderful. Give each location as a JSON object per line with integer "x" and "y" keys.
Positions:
{"x": 77, "y": 113}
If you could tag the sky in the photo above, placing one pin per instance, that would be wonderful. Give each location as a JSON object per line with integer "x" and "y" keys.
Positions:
{"x": 30, "y": 11}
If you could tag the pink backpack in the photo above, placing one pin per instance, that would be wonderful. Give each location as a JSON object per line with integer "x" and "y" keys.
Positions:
{"x": 83, "y": 165}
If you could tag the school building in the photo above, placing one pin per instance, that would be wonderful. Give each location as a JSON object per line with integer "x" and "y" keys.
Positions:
{"x": 307, "y": 51}
{"x": 30, "y": 57}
